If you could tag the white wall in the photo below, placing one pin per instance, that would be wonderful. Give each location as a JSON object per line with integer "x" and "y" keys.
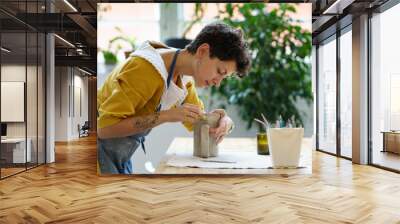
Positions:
{"x": 67, "y": 114}
{"x": 80, "y": 96}
{"x": 61, "y": 103}
{"x": 81, "y": 82}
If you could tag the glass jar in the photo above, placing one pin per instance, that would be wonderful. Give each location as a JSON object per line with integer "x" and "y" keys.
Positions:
{"x": 262, "y": 144}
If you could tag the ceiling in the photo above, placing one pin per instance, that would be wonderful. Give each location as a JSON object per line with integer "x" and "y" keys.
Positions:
{"x": 330, "y": 15}
{"x": 74, "y": 22}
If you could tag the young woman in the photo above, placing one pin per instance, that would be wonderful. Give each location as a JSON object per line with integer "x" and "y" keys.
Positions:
{"x": 151, "y": 88}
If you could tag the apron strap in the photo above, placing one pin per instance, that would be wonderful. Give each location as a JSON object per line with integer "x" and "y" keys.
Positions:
{"x": 171, "y": 69}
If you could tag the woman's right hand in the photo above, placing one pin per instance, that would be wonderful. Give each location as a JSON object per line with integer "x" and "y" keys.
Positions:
{"x": 184, "y": 113}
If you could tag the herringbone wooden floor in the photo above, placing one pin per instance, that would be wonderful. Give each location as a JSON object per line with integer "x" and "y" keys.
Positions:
{"x": 69, "y": 191}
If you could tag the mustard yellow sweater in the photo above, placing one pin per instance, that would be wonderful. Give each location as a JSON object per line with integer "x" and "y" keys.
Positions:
{"x": 134, "y": 88}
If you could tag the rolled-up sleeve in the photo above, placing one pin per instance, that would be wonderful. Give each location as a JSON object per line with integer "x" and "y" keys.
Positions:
{"x": 128, "y": 91}
{"x": 192, "y": 98}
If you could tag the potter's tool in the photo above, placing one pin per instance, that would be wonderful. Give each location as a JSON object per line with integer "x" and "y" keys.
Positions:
{"x": 261, "y": 122}
{"x": 287, "y": 167}
{"x": 217, "y": 161}
{"x": 265, "y": 120}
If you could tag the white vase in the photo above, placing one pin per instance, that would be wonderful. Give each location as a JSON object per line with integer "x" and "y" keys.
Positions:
{"x": 285, "y": 146}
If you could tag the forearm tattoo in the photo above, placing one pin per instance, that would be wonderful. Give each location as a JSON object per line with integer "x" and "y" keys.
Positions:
{"x": 146, "y": 122}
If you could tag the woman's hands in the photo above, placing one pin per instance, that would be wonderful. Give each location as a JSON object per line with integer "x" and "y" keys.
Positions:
{"x": 224, "y": 126}
{"x": 192, "y": 113}
{"x": 185, "y": 113}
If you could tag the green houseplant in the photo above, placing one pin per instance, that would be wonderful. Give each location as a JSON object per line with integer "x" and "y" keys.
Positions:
{"x": 281, "y": 70}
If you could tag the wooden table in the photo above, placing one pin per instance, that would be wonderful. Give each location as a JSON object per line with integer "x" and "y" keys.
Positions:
{"x": 181, "y": 146}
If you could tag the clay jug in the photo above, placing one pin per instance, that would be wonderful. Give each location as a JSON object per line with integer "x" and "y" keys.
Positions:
{"x": 204, "y": 143}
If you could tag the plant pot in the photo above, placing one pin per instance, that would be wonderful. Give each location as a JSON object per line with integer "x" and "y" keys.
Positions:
{"x": 178, "y": 42}
{"x": 205, "y": 145}
{"x": 285, "y": 146}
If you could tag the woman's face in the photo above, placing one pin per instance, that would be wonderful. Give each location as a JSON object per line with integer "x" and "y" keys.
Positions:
{"x": 210, "y": 71}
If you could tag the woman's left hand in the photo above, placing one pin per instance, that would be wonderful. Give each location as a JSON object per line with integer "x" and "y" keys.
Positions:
{"x": 224, "y": 125}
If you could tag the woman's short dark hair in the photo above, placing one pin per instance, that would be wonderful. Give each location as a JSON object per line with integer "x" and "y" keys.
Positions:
{"x": 226, "y": 43}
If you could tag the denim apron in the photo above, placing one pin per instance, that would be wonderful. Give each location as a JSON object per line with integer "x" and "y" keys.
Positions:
{"x": 114, "y": 154}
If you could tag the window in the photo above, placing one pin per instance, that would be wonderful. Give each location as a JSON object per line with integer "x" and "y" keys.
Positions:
{"x": 385, "y": 88}
{"x": 327, "y": 96}
{"x": 346, "y": 93}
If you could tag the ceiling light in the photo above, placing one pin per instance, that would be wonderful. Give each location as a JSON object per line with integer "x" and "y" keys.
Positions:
{"x": 79, "y": 51}
{"x": 338, "y": 6}
{"x": 5, "y": 49}
{"x": 86, "y": 72}
{"x": 70, "y": 5}
{"x": 64, "y": 40}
